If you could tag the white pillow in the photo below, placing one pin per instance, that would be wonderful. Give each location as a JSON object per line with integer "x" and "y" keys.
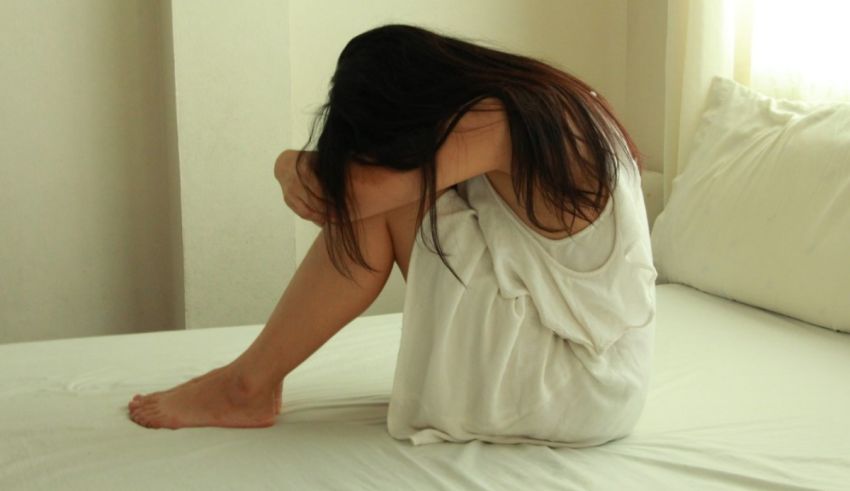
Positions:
{"x": 761, "y": 212}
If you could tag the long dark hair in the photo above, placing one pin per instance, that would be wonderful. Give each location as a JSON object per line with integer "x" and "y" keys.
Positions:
{"x": 399, "y": 90}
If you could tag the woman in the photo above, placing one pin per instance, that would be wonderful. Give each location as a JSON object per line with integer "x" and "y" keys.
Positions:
{"x": 529, "y": 311}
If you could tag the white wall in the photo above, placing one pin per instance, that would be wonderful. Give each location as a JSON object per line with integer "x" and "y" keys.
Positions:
{"x": 644, "y": 109}
{"x": 138, "y": 138}
{"x": 232, "y": 82}
{"x": 84, "y": 198}
{"x": 643, "y": 113}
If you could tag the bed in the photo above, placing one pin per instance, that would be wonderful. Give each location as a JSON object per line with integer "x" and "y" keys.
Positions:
{"x": 741, "y": 398}
{"x": 749, "y": 386}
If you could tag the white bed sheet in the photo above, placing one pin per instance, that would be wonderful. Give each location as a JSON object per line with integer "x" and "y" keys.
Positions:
{"x": 740, "y": 399}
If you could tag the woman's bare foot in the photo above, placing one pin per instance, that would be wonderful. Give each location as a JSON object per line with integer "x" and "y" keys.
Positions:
{"x": 221, "y": 397}
{"x": 137, "y": 399}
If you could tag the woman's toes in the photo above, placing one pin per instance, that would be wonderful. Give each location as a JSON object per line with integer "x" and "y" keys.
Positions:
{"x": 145, "y": 410}
{"x": 140, "y": 401}
{"x": 140, "y": 411}
{"x": 137, "y": 418}
{"x": 147, "y": 418}
{"x": 148, "y": 411}
{"x": 150, "y": 401}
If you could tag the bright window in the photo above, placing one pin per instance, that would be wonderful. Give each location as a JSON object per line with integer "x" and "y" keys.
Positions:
{"x": 801, "y": 49}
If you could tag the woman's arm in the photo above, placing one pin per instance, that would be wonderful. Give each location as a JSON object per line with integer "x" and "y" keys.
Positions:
{"x": 478, "y": 144}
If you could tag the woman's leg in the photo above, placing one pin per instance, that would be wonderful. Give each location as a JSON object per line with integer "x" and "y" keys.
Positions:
{"x": 316, "y": 304}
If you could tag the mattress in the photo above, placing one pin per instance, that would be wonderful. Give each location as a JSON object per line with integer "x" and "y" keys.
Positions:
{"x": 740, "y": 399}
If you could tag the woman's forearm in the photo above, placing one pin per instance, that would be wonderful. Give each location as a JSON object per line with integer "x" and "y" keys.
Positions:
{"x": 479, "y": 144}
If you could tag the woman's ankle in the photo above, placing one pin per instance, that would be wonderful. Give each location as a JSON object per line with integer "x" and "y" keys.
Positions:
{"x": 252, "y": 377}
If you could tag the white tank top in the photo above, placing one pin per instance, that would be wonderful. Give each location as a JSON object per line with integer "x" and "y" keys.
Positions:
{"x": 546, "y": 352}
{"x": 585, "y": 250}
{"x": 612, "y": 288}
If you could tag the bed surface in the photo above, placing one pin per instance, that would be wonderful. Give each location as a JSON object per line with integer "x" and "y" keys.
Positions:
{"x": 740, "y": 399}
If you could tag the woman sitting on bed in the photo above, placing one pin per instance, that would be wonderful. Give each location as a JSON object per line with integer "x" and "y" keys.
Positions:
{"x": 529, "y": 311}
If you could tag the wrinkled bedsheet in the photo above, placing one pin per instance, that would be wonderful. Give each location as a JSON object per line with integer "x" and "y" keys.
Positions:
{"x": 740, "y": 399}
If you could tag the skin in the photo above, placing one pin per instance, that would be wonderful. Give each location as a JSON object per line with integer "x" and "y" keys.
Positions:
{"x": 247, "y": 392}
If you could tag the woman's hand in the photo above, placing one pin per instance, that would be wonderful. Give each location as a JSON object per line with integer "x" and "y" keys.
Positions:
{"x": 301, "y": 190}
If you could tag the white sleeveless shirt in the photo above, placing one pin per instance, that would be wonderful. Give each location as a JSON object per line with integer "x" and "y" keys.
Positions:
{"x": 583, "y": 251}
{"x": 544, "y": 345}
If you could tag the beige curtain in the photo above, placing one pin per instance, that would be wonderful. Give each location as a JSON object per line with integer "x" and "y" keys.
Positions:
{"x": 705, "y": 38}
{"x": 793, "y": 49}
